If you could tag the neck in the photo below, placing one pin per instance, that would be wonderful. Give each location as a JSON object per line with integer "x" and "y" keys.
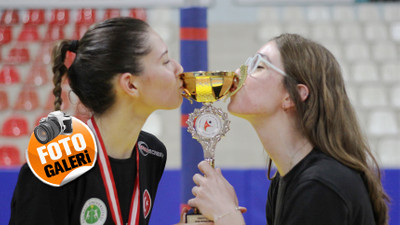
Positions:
{"x": 282, "y": 141}
{"x": 119, "y": 129}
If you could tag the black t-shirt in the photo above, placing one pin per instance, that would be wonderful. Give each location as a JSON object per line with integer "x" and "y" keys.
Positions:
{"x": 319, "y": 191}
{"x": 35, "y": 202}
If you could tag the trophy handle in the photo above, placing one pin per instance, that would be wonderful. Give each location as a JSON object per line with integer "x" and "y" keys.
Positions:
{"x": 198, "y": 123}
{"x": 209, "y": 151}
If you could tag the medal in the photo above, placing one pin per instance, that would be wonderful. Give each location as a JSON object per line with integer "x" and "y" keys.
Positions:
{"x": 109, "y": 184}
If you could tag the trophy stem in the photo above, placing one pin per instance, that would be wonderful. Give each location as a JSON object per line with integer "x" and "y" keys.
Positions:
{"x": 209, "y": 151}
{"x": 211, "y": 162}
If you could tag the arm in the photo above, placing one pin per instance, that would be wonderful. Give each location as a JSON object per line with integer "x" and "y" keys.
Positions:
{"x": 215, "y": 197}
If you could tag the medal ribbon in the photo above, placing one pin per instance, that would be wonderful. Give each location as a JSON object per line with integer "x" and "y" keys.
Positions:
{"x": 109, "y": 184}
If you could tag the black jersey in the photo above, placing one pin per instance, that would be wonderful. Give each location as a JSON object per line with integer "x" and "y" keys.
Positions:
{"x": 319, "y": 191}
{"x": 84, "y": 200}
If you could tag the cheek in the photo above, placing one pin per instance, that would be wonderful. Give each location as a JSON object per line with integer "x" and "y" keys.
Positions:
{"x": 160, "y": 78}
{"x": 256, "y": 97}
{"x": 246, "y": 99}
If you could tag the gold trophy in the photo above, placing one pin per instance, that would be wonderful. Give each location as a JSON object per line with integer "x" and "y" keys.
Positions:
{"x": 209, "y": 124}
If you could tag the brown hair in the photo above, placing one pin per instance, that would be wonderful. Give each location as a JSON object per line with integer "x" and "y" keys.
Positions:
{"x": 111, "y": 47}
{"x": 327, "y": 117}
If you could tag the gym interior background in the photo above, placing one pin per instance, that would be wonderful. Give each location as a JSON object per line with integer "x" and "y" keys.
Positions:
{"x": 364, "y": 36}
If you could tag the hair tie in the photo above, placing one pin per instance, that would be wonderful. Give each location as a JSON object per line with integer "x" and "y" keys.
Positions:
{"x": 73, "y": 46}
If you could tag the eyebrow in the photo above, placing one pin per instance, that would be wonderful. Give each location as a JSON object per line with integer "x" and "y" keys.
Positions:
{"x": 164, "y": 53}
{"x": 265, "y": 56}
{"x": 272, "y": 65}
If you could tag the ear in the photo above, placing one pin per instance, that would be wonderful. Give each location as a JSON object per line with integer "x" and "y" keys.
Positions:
{"x": 127, "y": 83}
{"x": 303, "y": 91}
{"x": 287, "y": 102}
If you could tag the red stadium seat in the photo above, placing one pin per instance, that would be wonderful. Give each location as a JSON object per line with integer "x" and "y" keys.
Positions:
{"x": 80, "y": 30}
{"x": 3, "y": 100}
{"x": 37, "y": 75}
{"x": 138, "y": 14}
{"x": 9, "y": 75}
{"x": 59, "y": 17}
{"x": 86, "y": 16}
{"x": 15, "y": 126}
{"x": 40, "y": 117}
{"x": 5, "y": 35}
{"x": 54, "y": 32}
{"x": 34, "y": 17}
{"x": 18, "y": 54}
{"x": 28, "y": 100}
{"x": 29, "y": 33}
{"x": 9, "y": 17}
{"x": 9, "y": 156}
{"x": 44, "y": 54}
{"x": 111, "y": 13}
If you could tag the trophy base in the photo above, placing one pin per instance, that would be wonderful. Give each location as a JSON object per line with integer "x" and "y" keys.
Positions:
{"x": 194, "y": 216}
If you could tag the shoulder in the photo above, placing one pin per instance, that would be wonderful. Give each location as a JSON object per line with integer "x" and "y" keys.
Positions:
{"x": 26, "y": 176}
{"x": 29, "y": 186}
{"x": 151, "y": 139}
{"x": 333, "y": 175}
{"x": 149, "y": 144}
{"x": 330, "y": 171}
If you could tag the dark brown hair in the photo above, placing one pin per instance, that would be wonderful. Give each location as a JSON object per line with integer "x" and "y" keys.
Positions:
{"x": 108, "y": 48}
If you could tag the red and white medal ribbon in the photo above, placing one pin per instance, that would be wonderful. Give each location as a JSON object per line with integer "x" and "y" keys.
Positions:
{"x": 109, "y": 184}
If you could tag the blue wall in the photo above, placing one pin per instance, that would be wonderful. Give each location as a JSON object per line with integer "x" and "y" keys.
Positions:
{"x": 251, "y": 187}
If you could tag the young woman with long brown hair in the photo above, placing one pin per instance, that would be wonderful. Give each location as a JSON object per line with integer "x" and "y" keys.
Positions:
{"x": 295, "y": 98}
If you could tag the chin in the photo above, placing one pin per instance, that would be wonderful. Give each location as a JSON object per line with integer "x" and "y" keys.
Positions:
{"x": 237, "y": 109}
{"x": 233, "y": 109}
{"x": 175, "y": 104}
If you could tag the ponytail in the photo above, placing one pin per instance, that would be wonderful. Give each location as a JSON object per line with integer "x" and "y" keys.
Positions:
{"x": 59, "y": 68}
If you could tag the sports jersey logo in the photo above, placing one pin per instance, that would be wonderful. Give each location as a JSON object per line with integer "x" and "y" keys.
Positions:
{"x": 94, "y": 212}
{"x": 145, "y": 150}
{"x": 146, "y": 203}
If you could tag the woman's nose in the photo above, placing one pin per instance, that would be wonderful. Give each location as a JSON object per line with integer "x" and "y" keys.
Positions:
{"x": 179, "y": 68}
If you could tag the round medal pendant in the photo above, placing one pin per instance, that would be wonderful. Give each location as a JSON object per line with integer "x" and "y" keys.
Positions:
{"x": 208, "y": 125}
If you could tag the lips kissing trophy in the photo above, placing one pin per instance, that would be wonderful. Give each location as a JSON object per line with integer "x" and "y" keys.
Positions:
{"x": 209, "y": 124}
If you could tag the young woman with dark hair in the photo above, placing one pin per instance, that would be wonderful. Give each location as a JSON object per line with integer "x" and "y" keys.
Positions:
{"x": 121, "y": 73}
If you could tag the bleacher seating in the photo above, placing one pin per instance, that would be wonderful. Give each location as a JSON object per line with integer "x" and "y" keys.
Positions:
{"x": 15, "y": 126}
{"x": 9, "y": 75}
{"x": 26, "y": 40}
{"x": 3, "y": 100}
{"x": 9, "y": 156}
{"x": 27, "y": 100}
{"x": 365, "y": 38}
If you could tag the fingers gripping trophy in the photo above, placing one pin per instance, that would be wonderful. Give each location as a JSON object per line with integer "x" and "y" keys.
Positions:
{"x": 209, "y": 124}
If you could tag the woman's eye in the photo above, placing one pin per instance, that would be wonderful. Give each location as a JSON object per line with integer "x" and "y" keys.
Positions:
{"x": 166, "y": 62}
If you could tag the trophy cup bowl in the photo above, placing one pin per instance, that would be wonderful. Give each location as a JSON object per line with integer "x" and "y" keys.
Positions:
{"x": 207, "y": 87}
{"x": 209, "y": 124}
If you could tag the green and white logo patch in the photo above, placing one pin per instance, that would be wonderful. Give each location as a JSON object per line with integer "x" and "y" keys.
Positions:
{"x": 94, "y": 212}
